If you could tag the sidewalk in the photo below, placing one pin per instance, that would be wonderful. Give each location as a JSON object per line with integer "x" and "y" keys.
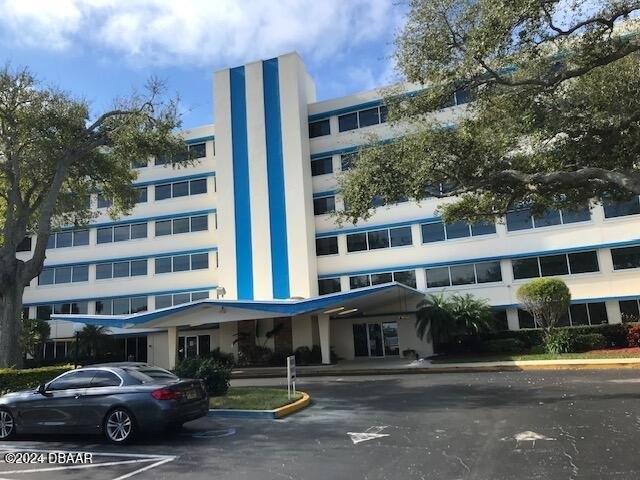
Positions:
{"x": 402, "y": 366}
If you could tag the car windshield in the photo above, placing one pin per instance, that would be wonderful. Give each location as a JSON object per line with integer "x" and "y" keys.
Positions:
{"x": 149, "y": 374}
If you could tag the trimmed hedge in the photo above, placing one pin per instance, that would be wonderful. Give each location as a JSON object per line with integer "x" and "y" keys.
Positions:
{"x": 12, "y": 380}
{"x": 502, "y": 345}
{"x": 215, "y": 374}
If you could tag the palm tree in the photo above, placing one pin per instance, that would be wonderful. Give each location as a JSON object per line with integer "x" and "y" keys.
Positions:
{"x": 93, "y": 336}
{"x": 438, "y": 319}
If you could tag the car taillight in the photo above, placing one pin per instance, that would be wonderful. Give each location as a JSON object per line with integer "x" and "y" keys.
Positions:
{"x": 165, "y": 394}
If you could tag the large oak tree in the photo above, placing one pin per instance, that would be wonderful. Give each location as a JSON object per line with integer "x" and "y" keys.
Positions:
{"x": 555, "y": 121}
{"x": 54, "y": 153}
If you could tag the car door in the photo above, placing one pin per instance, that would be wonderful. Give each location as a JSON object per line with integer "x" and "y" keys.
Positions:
{"x": 103, "y": 391}
{"x": 59, "y": 407}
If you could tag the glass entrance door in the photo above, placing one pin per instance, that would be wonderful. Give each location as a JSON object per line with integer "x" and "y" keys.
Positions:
{"x": 390, "y": 333}
{"x": 375, "y": 340}
{"x": 378, "y": 339}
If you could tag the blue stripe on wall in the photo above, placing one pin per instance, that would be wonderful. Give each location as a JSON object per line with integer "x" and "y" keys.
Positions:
{"x": 275, "y": 180}
{"x": 241, "y": 191}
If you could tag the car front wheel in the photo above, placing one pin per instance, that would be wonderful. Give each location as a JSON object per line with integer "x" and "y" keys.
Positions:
{"x": 119, "y": 426}
{"x": 7, "y": 425}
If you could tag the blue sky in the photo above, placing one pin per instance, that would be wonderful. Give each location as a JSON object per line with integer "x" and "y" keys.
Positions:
{"x": 101, "y": 49}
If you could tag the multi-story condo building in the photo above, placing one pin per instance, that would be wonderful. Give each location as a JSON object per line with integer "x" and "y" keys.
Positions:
{"x": 218, "y": 253}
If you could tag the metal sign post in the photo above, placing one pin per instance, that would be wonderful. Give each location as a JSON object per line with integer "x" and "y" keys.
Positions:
{"x": 291, "y": 376}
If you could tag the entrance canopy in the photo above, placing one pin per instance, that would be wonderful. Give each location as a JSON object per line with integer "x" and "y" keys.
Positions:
{"x": 209, "y": 311}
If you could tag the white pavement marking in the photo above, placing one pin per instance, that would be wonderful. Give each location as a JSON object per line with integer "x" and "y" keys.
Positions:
{"x": 137, "y": 458}
{"x": 369, "y": 434}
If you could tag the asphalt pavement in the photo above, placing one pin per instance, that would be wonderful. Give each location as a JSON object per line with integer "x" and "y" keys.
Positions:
{"x": 563, "y": 424}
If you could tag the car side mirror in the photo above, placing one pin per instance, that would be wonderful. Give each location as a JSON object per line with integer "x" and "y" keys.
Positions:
{"x": 42, "y": 388}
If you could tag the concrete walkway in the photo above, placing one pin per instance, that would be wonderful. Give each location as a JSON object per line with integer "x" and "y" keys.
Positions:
{"x": 387, "y": 366}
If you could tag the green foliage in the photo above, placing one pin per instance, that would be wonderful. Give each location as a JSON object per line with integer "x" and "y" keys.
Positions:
{"x": 34, "y": 332}
{"x": 590, "y": 341}
{"x": 92, "y": 338}
{"x": 222, "y": 357}
{"x": 440, "y": 318}
{"x": 547, "y": 299}
{"x": 633, "y": 336}
{"x": 559, "y": 341}
{"x": 216, "y": 375}
{"x": 503, "y": 345}
{"x": 571, "y": 341}
{"x": 554, "y": 122}
{"x": 12, "y": 380}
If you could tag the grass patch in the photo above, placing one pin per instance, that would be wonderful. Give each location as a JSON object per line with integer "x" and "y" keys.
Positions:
{"x": 531, "y": 356}
{"x": 249, "y": 398}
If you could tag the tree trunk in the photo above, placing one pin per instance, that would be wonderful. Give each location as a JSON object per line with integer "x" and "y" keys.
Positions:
{"x": 10, "y": 326}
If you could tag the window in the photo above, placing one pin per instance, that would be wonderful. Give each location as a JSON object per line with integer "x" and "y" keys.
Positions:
{"x": 362, "y": 118}
{"x": 550, "y": 265}
{"x": 347, "y": 161}
{"x": 182, "y": 263}
{"x": 164, "y": 301}
{"x": 104, "y": 202}
{"x": 141, "y": 195}
{"x": 72, "y": 380}
{"x": 163, "y": 265}
{"x": 319, "y": 128}
{"x": 326, "y": 246}
{"x": 199, "y": 261}
{"x": 623, "y": 258}
{"x": 181, "y": 225}
{"x": 378, "y": 239}
{"x": 181, "y": 189}
{"x": 406, "y": 277}
{"x": 80, "y": 237}
{"x": 321, "y": 166}
{"x": 400, "y": 236}
{"x": 500, "y": 322}
{"x": 122, "y": 233}
{"x": 68, "y": 239}
{"x": 629, "y": 310}
{"x": 121, "y": 269}
{"x": 380, "y": 278}
{"x": 525, "y": 319}
{"x": 328, "y": 285}
{"x": 43, "y": 312}
{"x": 49, "y": 276}
{"x": 121, "y": 306}
{"x": 438, "y": 232}
{"x": 104, "y": 270}
{"x": 197, "y": 150}
{"x": 24, "y": 245}
{"x": 359, "y": 281}
{"x": 356, "y": 242}
{"x": 139, "y": 164}
{"x": 614, "y": 209}
{"x": 103, "y": 378}
{"x": 522, "y": 219}
{"x": 324, "y": 205}
{"x": 464, "y": 274}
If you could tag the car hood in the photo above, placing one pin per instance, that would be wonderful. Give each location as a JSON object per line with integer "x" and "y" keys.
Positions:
{"x": 17, "y": 395}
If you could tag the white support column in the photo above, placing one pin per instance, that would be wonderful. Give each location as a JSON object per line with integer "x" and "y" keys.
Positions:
{"x": 512, "y": 319}
{"x": 325, "y": 347}
{"x": 172, "y": 346}
{"x": 613, "y": 311}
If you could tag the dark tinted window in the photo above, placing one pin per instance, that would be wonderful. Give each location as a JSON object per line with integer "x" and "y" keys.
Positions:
{"x": 138, "y": 304}
{"x": 80, "y": 273}
{"x": 163, "y": 301}
{"x": 163, "y": 227}
{"x": 327, "y": 246}
{"x": 356, "y": 242}
{"x": 519, "y": 220}
{"x": 199, "y": 223}
{"x": 407, "y": 277}
{"x": 319, "y": 128}
{"x": 483, "y": 228}
{"x": 432, "y": 232}
{"x": 400, "y": 236}
{"x": 199, "y": 296}
{"x": 488, "y": 272}
{"x": 348, "y": 122}
{"x": 181, "y": 225}
{"x": 120, "y": 269}
{"x": 324, "y": 205}
{"x": 198, "y": 186}
{"x": 550, "y": 217}
{"x": 24, "y": 245}
{"x": 379, "y": 278}
{"x": 103, "y": 378}
{"x": 630, "y": 310}
{"x": 180, "y": 189}
{"x": 121, "y": 233}
{"x": 359, "y": 281}
{"x": 180, "y": 263}
{"x": 163, "y": 191}
{"x": 138, "y": 267}
{"x": 624, "y": 258}
{"x": 141, "y": 195}
{"x": 46, "y": 276}
{"x": 438, "y": 277}
{"x": 378, "y": 239}
{"x": 462, "y": 274}
{"x": 321, "y": 166}
{"x": 554, "y": 265}
{"x": 198, "y": 150}
{"x": 328, "y": 285}
{"x": 579, "y": 314}
{"x": 65, "y": 239}
{"x": 583, "y": 262}
{"x": 163, "y": 265}
{"x": 619, "y": 209}
{"x": 525, "y": 319}
{"x": 72, "y": 380}
{"x": 457, "y": 230}
{"x": 369, "y": 117}
{"x": 80, "y": 237}
{"x": 103, "y": 307}
{"x": 139, "y": 230}
{"x": 199, "y": 261}
{"x": 525, "y": 268}
{"x": 597, "y": 313}
{"x": 573, "y": 216}
{"x": 120, "y": 306}
{"x": 103, "y": 270}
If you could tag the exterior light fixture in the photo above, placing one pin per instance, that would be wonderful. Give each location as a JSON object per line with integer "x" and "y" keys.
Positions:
{"x": 346, "y": 312}
{"x": 334, "y": 310}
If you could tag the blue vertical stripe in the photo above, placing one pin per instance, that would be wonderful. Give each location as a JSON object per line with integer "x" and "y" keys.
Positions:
{"x": 275, "y": 180}
{"x": 241, "y": 191}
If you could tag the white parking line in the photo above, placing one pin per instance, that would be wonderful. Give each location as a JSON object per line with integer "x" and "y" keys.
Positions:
{"x": 137, "y": 458}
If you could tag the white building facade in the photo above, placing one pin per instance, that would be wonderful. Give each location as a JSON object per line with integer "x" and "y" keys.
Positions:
{"x": 249, "y": 227}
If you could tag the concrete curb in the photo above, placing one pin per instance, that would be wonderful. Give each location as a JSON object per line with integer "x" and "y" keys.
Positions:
{"x": 507, "y": 366}
{"x": 277, "y": 413}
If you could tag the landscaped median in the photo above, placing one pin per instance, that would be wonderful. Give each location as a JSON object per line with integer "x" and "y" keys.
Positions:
{"x": 252, "y": 402}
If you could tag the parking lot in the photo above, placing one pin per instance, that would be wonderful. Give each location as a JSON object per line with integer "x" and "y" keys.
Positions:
{"x": 537, "y": 425}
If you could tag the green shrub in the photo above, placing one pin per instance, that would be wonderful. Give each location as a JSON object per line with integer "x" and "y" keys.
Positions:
{"x": 589, "y": 341}
{"x": 503, "y": 345}
{"x": 12, "y": 380}
{"x": 559, "y": 341}
{"x": 530, "y": 337}
{"x": 215, "y": 374}
{"x": 410, "y": 353}
{"x": 222, "y": 357}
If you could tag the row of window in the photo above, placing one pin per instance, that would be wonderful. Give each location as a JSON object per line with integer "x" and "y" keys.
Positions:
{"x": 350, "y": 121}
{"x": 181, "y": 189}
{"x": 464, "y": 274}
{"x": 523, "y": 220}
{"x": 194, "y": 152}
{"x": 550, "y": 265}
{"x": 173, "y": 226}
{"x": 141, "y": 197}
{"x": 376, "y": 239}
{"x": 126, "y": 268}
{"x": 65, "y": 239}
{"x": 594, "y": 313}
{"x": 406, "y": 277}
{"x": 117, "y": 306}
{"x": 487, "y": 272}
{"x": 438, "y": 231}
{"x": 182, "y": 263}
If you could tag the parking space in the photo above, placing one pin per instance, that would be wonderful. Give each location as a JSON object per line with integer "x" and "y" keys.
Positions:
{"x": 539, "y": 425}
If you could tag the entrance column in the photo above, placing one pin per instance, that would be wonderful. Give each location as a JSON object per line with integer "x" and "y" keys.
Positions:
{"x": 325, "y": 347}
{"x": 172, "y": 346}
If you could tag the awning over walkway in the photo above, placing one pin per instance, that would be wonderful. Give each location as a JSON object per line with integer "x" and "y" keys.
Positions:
{"x": 220, "y": 311}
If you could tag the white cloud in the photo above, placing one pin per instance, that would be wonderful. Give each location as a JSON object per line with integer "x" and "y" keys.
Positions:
{"x": 199, "y": 32}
